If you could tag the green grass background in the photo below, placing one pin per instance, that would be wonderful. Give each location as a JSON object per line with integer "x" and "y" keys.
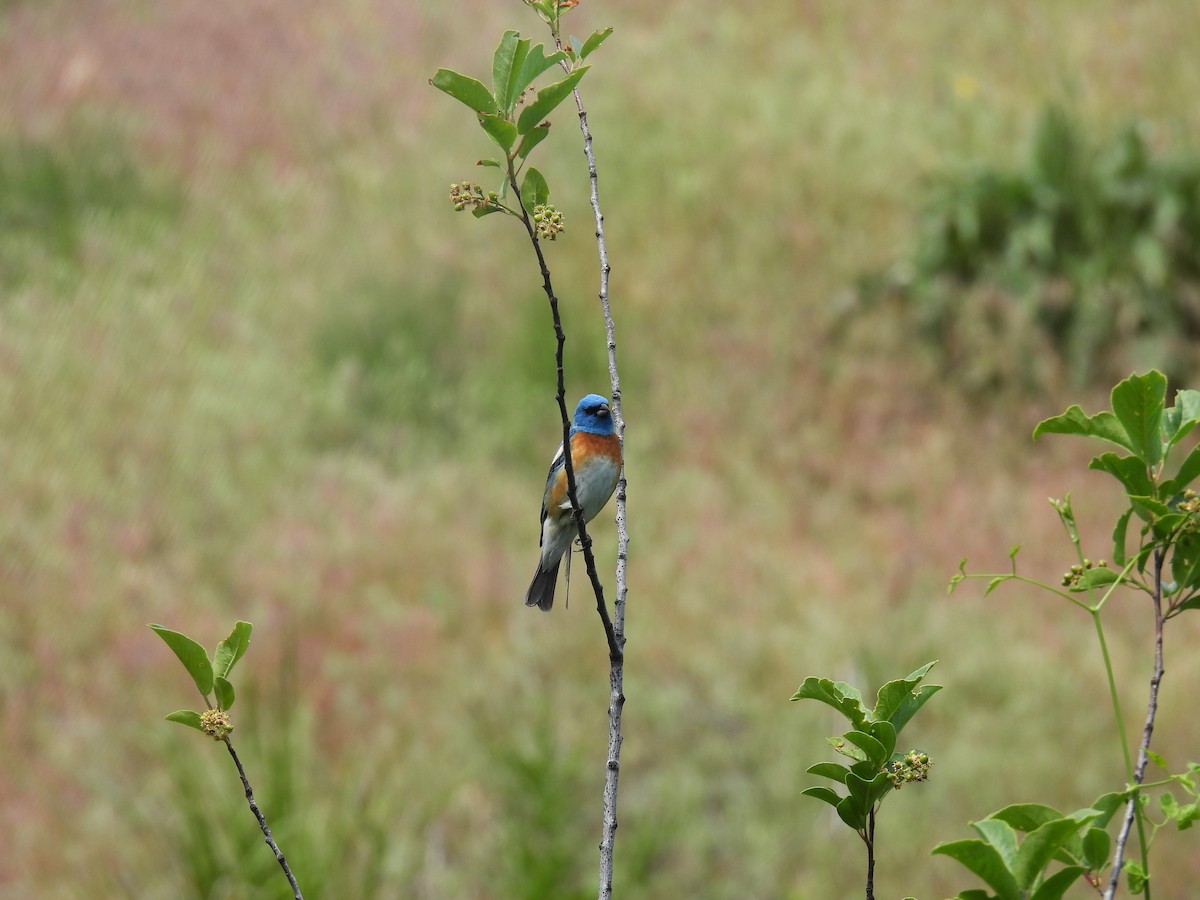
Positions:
{"x": 253, "y": 366}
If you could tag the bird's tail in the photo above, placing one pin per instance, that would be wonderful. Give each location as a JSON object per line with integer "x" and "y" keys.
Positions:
{"x": 541, "y": 589}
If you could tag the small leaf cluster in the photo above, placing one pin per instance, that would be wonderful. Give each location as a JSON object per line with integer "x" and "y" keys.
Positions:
{"x": 875, "y": 769}
{"x": 515, "y": 123}
{"x": 1146, "y": 432}
{"x": 210, "y": 675}
{"x": 1183, "y": 814}
{"x": 1016, "y": 869}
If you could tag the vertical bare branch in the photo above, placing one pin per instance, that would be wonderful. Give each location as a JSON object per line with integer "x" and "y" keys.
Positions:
{"x": 616, "y": 661}
{"x": 1139, "y": 775}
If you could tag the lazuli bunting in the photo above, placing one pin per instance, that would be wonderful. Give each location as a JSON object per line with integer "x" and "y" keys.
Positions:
{"x": 596, "y": 461}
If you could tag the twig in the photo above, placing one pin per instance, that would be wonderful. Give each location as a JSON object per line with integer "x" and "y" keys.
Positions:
{"x": 1139, "y": 775}
{"x": 616, "y": 674}
{"x": 869, "y": 838}
{"x": 262, "y": 822}
{"x": 614, "y": 648}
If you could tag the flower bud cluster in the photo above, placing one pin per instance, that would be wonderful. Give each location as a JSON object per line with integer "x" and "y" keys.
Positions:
{"x": 548, "y": 221}
{"x": 215, "y": 723}
{"x": 466, "y": 194}
{"x": 908, "y": 769}
{"x": 1071, "y": 578}
{"x": 1190, "y": 504}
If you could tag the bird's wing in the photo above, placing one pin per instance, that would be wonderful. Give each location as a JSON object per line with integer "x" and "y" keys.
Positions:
{"x": 556, "y": 467}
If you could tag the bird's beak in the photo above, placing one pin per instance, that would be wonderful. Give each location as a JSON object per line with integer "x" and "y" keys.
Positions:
{"x": 603, "y": 410}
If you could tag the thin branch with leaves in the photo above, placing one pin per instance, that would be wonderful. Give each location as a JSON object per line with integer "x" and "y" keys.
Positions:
{"x": 1146, "y": 431}
{"x": 516, "y": 63}
{"x": 211, "y": 677}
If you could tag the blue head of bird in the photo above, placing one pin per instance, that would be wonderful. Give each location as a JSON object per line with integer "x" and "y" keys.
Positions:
{"x": 593, "y": 416}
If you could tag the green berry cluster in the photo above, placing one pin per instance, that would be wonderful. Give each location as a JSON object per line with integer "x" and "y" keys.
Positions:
{"x": 1071, "y": 578}
{"x": 215, "y": 723}
{"x": 466, "y": 195}
{"x": 548, "y": 221}
{"x": 1190, "y": 504}
{"x": 908, "y": 769}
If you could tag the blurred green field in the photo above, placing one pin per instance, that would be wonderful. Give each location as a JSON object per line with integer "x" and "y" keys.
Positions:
{"x": 253, "y": 366}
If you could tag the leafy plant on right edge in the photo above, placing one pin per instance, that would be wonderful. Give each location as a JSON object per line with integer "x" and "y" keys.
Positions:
{"x": 1084, "y": 257}
{"x": 1162, "y": 522}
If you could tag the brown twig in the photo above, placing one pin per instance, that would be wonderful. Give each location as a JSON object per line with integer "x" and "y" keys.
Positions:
{"x": 262, "y": 822}
{"x": 1139, "y": 775}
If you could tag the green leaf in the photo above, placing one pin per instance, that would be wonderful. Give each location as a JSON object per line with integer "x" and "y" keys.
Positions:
{"x": 535, "y": 64}
{"x": 1103, "y": 425}
{"x": 192, "y": 655}
{"x": 844, "y": 747}
{"x": 841, "y": 696}
{"x": 466, "y": 90}
{"x": 1186, "y": 561}
{"x": 985, "y": 861}
{"x": 1041, "y": 844}
{"x": 859, "y": 788}
{"x": 482, "y": 211}
{"x": 1186, "y": 816}
{"x": 880, "y": 786}
{"x": 1093, "y": 578}
{"x": 892, "y": 694}
{"x": 1138, "y": 403}
{"x": 493, "y": 163}
{"x": 1136, "y": 877}
{"x": 1096, "y": 844}
{"x": 865, "y": 792}
{"x": 534, "y": 190}
{"x": 912, "y": 704}
{"x": 876, "y": 755}
{"x": 186, "y": 717}
{"x": 851, "y": 812}
{"x": 233, "y": 648}
{"x": 1129, "y": 470}
{"x": 500, "y": 130}
{"x": 1027, "y": 816}
{"x": 1119, "y": 557}
{"x": 1056, "y": 885}
{"x": 829, "y": 770}
{"x": 1149, "y": 509}
{"x": 224, "y": 691}
{"x": 597, "y": 38}
{"x": 1185, "y": 415}
{"x": 506, "y": 66}
{"x": 1000, "y": 835}
{"x": 547, "y": 99}
{"x": 824, "y": 794}
{"x": 1188, "y": 470}
{"x": 885, "y": 733}
{"x": 1107, "y": 805}
{"x": 532, "y": 139}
